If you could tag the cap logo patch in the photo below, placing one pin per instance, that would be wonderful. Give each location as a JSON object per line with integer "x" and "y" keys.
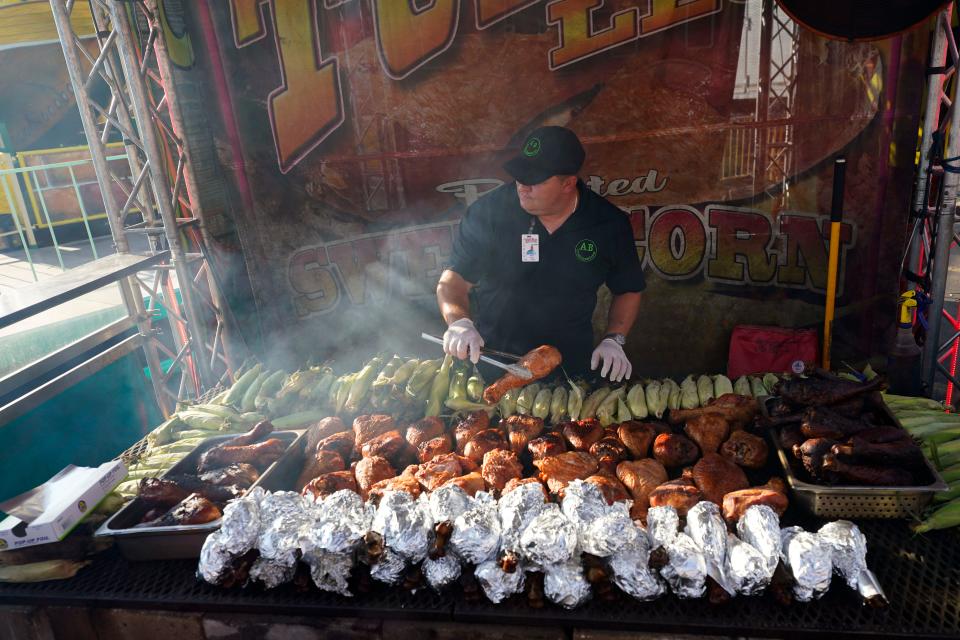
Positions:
{"x": 585, "y": 250}
{"x": 532, "y": 147}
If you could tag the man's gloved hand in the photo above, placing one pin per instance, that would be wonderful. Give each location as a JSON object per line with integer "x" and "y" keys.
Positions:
{"x": 462, "y": 339}
{"x": 614, "y": 360}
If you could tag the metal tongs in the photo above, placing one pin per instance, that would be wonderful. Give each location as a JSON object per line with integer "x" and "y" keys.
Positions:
{"x": 521, "y": 372}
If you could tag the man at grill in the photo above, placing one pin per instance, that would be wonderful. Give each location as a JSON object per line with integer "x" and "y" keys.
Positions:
{"x": 528, "y": 261}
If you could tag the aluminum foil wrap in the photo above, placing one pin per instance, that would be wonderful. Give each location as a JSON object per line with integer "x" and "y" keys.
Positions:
{"x": 496, "y": 583}
{"x": 215, "y": 559}
{"x": 810, "y": 561}
{"x": 517, "y": 510}
{"x": 337, "y": 524}
{"x": 447, "y": 503}
{"x": 240, "y": 526}
{"x": 389, "y": 568}
{"x": 550, "y": 539}
{"x": 405, "y": 524}
{"x": 759, "y": 527}
{"x": 583, "y": 502}
{"x": 608, "y": 533}
{"x": 706, "y": 527}
{"x": 746, "y": 568}
{"x": 272, "y": 573}
{"x": 476, "y": 532}
{"x": 330, "y": 571}
{"x": 849, "y": 547}
{"x": 565, "y": 585}
{"x": 686, "y": 569}
{"x": 441, "y": 572}
{"x": 629, "y": 566}
{"x": 282, "y": 514}
{"x": 663, "y": 524}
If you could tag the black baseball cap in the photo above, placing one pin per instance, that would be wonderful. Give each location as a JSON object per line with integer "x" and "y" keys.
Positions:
{"x": 546, "y": 152}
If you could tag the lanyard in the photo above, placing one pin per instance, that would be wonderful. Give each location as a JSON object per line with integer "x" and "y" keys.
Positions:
{"x": 530, "y": 244}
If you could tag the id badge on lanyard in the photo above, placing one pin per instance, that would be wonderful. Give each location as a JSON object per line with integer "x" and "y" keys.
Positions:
{"x": 530, "y": 245}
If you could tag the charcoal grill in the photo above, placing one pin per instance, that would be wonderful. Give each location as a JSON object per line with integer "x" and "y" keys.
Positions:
{"x": 920, "y": 574}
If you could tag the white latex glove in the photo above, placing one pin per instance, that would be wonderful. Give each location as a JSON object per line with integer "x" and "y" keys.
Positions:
{"x": 614, "y": 360}
{"x": 462, "y": 339}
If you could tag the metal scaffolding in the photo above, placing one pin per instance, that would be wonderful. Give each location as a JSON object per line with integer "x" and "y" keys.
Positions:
{"x": 158, "y": 198}
{"x": 934, "y": 219}
{"x": 779, "y": 48}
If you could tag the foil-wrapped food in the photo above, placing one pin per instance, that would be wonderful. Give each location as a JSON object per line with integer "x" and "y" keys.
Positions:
{"x": 631, "y": 571}
{"x": 550, "y": 539}
{"x": 497, "y": 584}
{"x": 809, "y": 560}
{"x": 565, "y": 585}
{"x": 686, "y": 568}
{"x": 663, "y": 524}
{"x": 476, "y": 531}
{"x": 849, "y": 547}
{"x": 706, "y": 528}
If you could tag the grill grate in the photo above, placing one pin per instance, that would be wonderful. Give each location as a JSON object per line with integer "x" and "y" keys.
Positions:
{"x": 920, "y": 574}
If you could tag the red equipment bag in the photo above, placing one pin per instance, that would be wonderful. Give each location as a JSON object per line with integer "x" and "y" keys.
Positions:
{"x": 756, "y": 349}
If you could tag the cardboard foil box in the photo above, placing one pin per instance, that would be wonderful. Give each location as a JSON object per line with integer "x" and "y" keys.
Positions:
{"x": 49, "y": 512}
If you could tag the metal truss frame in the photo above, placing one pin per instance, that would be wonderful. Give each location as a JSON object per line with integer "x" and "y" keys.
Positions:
{"x": 775, "y": 102}
{"x": 934, "y": 222}
{"x": 159, "y": 196}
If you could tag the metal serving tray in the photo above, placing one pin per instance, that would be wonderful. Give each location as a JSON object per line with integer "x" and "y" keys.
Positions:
{"x": 184, "y": 541}
{"x": 853, "y": 501}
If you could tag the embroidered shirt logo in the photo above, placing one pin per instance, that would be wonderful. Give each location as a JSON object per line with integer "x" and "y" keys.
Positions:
{"x": 585, "y": 250}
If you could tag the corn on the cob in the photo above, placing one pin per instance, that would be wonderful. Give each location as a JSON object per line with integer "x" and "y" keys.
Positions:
{"x": 299, "y": 419}
{"x": 574, "y": 401}
{"x": 606, "y": 412}
{"x": 756, "y": 387}
{"x": 508, "y": 403}
{"x": 344, "y": 391}
{"x": 689, "y": 398}
{"x": 637, "y": 401}
{"x": 250, "y": 395}
{"x": 357, "y": 395}
{"x": 673, "y": 393}
{"x": 721, "y": 385}
{"x": 592, "y": 402}
{"x": 421, "y": 378}
{"x": 541, "y": 404}
{"x": 475, "y": 386}
{"x": 526, "y": 398}
{"x": 742, "y": 386}
{"x": 663, "y": 397}
{"x": 770, "y": 381}
{"x": 239, "y": 388}
{"x": 943, "y": 518}
{"x": 403, "y": 373}
{"x": 705, "y": 390}
{"x": 623, "y": 411}
{"x": 652, "y": 393}
{"x": 558, "y": 404}
{"x": 439, "y": 387}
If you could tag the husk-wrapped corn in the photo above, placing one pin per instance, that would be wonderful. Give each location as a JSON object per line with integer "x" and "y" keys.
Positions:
{"x": 606, "y": 412}
{"x": 558, "y": 404}
{"x": 705, "y": 390}
{"x": 653, "y": 399}
{"x": 756, "y": 387}
{"x": 689, "y": 398}
{"x": 770, "y": 380}
{"x": 623, "y": 411}
{"x": 721, "y": 385}
{"x": 526, "y": 398}
{"x": 592, "y": 402}
{"x": 541, "y": 404}
{"x": 574, "y": 401}
{"x": 673, "y": 401}
{"x": 508, "y": 403}
{"x": 637, "y": 402}
{"x": 742, "y": 386}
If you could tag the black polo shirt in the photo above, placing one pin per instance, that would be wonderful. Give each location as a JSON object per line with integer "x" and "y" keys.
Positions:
{"x": 520, "y": 305}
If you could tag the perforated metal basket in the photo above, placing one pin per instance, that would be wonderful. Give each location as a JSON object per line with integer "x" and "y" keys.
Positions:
{"x": 859, "y": 501}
